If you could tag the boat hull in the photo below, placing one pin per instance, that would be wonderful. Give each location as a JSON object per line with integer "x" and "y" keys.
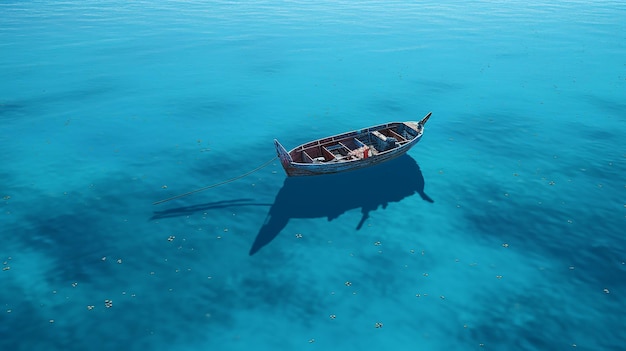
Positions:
{"x": 408, "y": 135}
{"x": 295, "y": 169}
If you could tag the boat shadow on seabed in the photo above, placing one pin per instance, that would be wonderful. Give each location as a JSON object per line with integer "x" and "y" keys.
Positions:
{"x": 332, "y": 195}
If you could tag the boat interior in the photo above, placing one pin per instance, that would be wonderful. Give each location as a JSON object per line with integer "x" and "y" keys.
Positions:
{"x": 355, "y": 145}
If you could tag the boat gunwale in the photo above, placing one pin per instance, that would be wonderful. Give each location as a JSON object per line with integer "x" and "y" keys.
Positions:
{"x": 337, "y": 137}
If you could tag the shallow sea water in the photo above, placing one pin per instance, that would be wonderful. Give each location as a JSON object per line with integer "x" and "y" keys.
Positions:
{"x": 503, "y": 229}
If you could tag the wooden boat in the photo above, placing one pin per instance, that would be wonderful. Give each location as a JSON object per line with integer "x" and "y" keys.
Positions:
{"x": 352, "y": 150}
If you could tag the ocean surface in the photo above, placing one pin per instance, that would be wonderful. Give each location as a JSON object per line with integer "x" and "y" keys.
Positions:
{"x": 503, "y": 229}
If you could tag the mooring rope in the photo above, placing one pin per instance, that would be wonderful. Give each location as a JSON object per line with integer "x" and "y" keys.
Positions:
{"x": 217, "y": 184}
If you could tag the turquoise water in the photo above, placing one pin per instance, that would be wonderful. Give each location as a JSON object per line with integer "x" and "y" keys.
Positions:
{"x": 502, "y": 230}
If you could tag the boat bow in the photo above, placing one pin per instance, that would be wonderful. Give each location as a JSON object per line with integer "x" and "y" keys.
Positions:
{"x": 425, "y": 119}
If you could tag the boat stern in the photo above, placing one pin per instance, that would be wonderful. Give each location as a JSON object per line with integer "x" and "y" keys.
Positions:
{"x": 283, "y": 155}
